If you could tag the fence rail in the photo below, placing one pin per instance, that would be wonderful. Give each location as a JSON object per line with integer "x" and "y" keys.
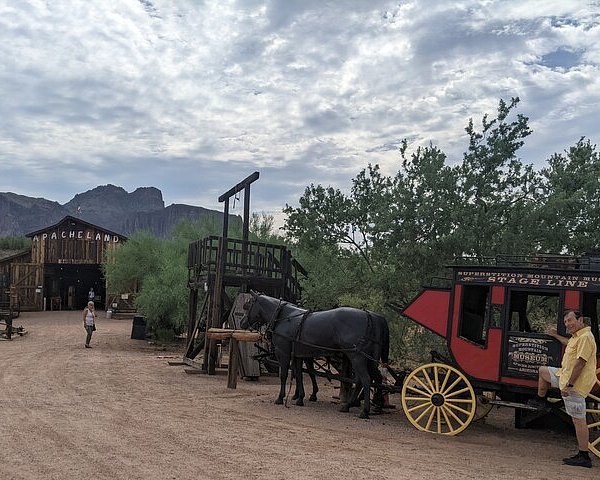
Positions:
{"x": 254, "y": 261}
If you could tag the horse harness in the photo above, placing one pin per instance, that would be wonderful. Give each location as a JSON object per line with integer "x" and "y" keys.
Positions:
{"x": 296, "y": 339}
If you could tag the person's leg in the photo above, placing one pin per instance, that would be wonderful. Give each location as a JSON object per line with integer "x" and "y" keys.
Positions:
{"x": 544, "y": 382}
{"x": 546, "y": 378}
{"x": 88, "y": 338}
{"x": 582, "y": 433}
{"x": 575, "y": 407}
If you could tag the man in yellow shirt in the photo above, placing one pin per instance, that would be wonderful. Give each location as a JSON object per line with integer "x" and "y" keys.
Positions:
{"x": 575, "y": 379}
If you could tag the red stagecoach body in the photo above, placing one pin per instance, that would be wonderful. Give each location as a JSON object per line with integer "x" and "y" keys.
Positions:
{"x": 493, "y": 316}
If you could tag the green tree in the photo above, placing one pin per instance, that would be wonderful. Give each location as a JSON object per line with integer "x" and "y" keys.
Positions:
{"x": 157, "y": 270}
{"x": 163, "y": 296}
{"x": 15, "y": 243}
{"x": 424, "y": 217}
{"x": 381, "y": 241}
{"x": 569, "y": 203}
{"x": 262, "y": 229}
{"x": 497, "y": 190}
{"x": 129, "y": 265}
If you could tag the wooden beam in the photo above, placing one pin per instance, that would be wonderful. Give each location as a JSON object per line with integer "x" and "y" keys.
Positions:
{"x": 192, "y": 371}
{"x": 238, "y": 335}
{"x": 234, "y": 364}
{"x": 240, "y": 186}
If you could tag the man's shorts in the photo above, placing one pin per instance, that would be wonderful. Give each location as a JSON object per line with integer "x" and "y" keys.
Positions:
{"x": 574, "y": 403}
{"x": 553, "y": 377}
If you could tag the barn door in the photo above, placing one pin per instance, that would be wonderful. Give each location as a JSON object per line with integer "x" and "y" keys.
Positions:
{"x": 27, "y": 282}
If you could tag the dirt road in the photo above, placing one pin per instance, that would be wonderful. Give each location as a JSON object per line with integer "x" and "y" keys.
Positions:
{"x": 119, "y": 411}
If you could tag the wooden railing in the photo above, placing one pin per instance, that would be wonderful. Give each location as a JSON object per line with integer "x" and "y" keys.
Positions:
{"x": 246, "y": 259}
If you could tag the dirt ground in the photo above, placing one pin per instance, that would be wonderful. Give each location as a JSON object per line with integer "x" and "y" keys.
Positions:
{"x": 119, "y": 411}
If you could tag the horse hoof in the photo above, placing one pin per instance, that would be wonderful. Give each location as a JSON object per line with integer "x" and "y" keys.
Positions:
{"x": 312, "y": 398}
{"x": 344, "y": 408}
{"x": 363, "y": 415}
{"x": 300, "y": 402}
{"x": 279, "y": 401}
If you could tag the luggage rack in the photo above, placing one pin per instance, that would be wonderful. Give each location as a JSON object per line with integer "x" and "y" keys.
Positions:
{"x": 589, "y": 261}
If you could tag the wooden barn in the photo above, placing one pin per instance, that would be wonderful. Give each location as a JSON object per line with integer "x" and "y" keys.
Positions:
{"x": 64, "y": 263}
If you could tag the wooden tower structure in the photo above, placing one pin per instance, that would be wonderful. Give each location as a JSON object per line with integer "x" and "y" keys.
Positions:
{"x": 221, "y": 267}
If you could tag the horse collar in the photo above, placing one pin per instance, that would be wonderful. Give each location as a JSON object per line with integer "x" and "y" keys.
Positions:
{"x": 276, "y": 314}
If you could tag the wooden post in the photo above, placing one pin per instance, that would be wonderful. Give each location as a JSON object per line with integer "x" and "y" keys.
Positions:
{"x": 226, "y": 218}
{"x": 243, "y": 185}
{"x": 245, "y": 235}
{"x": 234, "y": 363}
{"x": 192, "y": 313}
{"x": 215, "y": 318}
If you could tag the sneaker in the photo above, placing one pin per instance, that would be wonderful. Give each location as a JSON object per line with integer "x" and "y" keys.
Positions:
{"x": 572, "y": 457}
{"x": 539, "y": 403}
{"x": 578, "y": 461}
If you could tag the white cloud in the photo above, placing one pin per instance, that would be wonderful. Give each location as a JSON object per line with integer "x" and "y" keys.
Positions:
{"x": 191, "y": 96}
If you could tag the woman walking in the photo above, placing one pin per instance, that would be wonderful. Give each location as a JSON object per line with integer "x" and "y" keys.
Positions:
{"x": 89, "y": 322}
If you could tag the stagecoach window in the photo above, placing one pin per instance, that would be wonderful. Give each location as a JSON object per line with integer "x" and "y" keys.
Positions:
{"x": 590, "y": 308}
{"x": 532, "y": 312}
{"x": 475, "y": 309}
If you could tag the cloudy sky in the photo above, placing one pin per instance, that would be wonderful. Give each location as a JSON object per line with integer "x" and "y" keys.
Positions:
{"x": 191, "y": 96}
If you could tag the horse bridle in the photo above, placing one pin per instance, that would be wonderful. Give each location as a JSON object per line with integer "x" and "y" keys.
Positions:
{"x": 271, "y": 323}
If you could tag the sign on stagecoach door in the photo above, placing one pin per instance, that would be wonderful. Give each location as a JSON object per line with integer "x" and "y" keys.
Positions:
{"x": 527, "y": 353}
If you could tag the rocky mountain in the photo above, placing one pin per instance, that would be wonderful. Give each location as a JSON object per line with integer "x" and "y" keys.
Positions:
{"x": 107, "y": 206}
{"x": 20, "y": 214}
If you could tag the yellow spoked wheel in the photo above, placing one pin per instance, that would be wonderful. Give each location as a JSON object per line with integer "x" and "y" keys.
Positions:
{"x": 593, "y": 412}
{"x": 438, "y": 398}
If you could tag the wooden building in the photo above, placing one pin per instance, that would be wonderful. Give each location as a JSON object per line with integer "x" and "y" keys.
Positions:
{"x": 64, "y": 263}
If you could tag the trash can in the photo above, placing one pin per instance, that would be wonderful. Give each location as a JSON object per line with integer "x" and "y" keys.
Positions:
{"x": 109, "y": 314}
{"x": 138, "y": 329}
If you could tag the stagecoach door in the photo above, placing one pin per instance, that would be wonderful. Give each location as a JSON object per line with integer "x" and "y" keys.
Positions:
{"x": 526, "y": 346}
{"x": 590, "y": 309}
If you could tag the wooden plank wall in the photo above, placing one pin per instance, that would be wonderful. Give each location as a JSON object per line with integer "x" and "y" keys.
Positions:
{"x": 5, "y": 263}
{"x": 27, "y": 280}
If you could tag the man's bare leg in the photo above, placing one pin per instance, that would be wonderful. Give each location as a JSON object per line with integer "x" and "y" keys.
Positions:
{"x": 544, "y": 382}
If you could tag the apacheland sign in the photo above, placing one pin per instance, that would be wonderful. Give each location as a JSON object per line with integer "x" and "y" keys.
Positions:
{"x": 77, "y": 234}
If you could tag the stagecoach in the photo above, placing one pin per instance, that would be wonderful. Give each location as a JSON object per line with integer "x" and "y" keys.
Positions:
{"x": 492, "y": 313}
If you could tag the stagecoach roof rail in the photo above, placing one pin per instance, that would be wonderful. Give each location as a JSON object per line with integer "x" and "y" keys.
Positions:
{"x": 440, "y": 282}
{"x": 590, "y": 261}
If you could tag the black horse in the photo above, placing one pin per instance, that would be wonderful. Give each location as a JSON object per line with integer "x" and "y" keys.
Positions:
{"x": 310, "y": 369}
{"x": 363, "y": 337}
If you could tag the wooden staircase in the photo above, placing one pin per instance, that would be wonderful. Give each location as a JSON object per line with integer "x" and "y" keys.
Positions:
{"x": 122, "y": 306}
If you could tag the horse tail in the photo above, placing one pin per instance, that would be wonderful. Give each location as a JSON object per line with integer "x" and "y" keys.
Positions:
{"x": 385, "y": 341}
{"x": 382, "y": 330}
